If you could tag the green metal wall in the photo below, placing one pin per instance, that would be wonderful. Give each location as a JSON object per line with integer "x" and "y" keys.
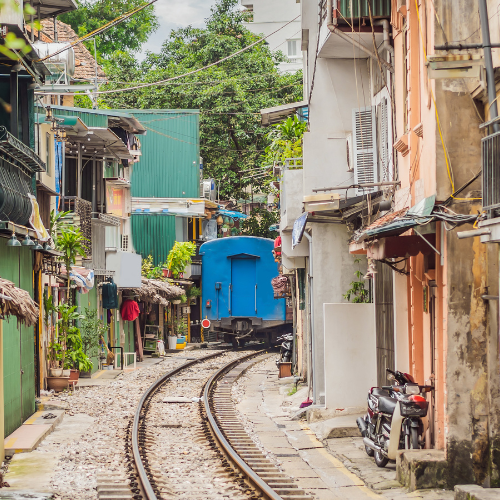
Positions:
{"x": 380, "y": 8}
{"x": 90, "y": 118}
{"x": 169, "y": 165}
{"x": 153, "y": 234}
{"x": 18, "y": 342}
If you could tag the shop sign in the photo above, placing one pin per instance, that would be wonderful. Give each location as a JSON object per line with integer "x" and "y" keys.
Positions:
{"x": 115, "y": 201}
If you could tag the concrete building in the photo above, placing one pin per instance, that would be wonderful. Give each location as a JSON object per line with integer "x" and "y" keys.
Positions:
{"x": 268, "y": 17}
{"x": 391, "y": 166}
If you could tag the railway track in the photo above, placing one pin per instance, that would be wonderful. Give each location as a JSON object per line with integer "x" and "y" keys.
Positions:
{"x": 177, "y": 448}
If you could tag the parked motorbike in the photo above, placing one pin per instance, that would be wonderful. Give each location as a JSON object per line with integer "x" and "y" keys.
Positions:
{"x": 285, "y": 348}
{"x": 394, "y": 418}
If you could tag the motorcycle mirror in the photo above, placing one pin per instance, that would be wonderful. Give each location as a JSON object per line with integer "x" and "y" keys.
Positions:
{"x": 391, "y": 376}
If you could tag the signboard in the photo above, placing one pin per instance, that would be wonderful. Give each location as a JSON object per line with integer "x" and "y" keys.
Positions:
{"x": 205, "y": 323}
{"x": 298, "y": 229}
{"x": 115, "y": 201}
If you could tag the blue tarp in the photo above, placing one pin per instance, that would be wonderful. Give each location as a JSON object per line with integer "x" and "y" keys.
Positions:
{"x": 232, "y": 214}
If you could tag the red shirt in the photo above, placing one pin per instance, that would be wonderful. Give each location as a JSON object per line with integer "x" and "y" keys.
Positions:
{"x": 129, "y": 310}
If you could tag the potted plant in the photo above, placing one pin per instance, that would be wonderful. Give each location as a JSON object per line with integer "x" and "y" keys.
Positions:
{"x": 193, "y": 292}
{"x": 180, "y": 257}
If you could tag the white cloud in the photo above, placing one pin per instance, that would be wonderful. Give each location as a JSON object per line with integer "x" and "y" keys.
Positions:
{"x": 173, "y": 14}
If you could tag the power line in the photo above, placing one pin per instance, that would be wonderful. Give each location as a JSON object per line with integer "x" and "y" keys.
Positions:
{"x": 144, "y": 85}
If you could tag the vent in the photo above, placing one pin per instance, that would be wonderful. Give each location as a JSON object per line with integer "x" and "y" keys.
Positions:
{"x": 491, "y": 171}
{"x": 384, "y": 141}
{"x": 365, "y": 148}
{"x": 125, "y": 243}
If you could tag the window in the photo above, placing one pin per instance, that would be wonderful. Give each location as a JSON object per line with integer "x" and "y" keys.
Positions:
{"x": 292, "y": 48}
{"x": 47, "y": 152}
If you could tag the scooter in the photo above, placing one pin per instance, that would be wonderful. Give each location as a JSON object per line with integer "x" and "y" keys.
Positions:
{"x": 285, "y": 348}
{"x": 394, "y": 418}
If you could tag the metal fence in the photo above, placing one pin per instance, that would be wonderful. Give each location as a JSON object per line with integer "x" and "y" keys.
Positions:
{"x": 491, "y": 171}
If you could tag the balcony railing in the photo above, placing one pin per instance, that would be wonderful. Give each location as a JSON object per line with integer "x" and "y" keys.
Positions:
{"x": 491, "y": 172}
{"x": 343, "y": 14}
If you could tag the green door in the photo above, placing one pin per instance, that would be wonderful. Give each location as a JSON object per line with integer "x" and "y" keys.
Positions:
{"x": 18, "y": 342}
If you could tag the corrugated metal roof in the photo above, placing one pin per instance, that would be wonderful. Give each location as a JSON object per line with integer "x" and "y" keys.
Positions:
{"x": 169, "y": 166}
{"x": 90, "y": 117}
{"x": 154, "y": 235}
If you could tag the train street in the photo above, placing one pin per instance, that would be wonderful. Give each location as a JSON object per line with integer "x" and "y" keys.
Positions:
{"x": 89, "y": 454}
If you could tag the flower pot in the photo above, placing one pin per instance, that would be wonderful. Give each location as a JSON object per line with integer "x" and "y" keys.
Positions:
{"x": 66, "y": 373}
{"x": 167, "y": 273}
{"x": 176, "y": 302}
{"x": 86, "y": 374}
{"x": 58, "y": 384}
{"x": 172, "y": 342}
{"x": 56, "y": 372}
{"x": 74, "y": 374}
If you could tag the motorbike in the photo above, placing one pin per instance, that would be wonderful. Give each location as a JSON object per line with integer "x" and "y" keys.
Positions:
{"x": 285, "y": 348}
{"x": 394, "y": 418}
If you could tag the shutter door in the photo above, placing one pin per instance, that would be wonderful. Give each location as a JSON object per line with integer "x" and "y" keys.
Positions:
{"x": 365, "y": 148}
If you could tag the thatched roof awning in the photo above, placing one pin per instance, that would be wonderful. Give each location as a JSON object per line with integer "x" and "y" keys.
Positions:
{"x": 20, "y": 305}
{"x": 158, "y": 291}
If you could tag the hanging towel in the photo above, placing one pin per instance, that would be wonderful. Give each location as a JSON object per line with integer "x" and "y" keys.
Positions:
{"x": 129, "y": 310}
{"x": 109, "y": 296}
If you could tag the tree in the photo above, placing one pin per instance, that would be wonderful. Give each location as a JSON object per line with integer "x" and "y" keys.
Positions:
{"x": 128, "y": 35}
{"x": 259, "y": 222}
{"x": 229, "y": 95}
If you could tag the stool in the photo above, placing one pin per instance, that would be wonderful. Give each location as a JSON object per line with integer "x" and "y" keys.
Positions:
{"x": 125, "y": 354}
{"x": 73, "y": 384}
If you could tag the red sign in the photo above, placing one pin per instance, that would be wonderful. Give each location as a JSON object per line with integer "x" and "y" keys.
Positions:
{"x": 205, "y": 323}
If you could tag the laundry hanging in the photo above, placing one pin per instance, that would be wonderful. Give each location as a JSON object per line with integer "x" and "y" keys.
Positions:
{"x": 109, "y": 295}
{"x": 129, "y": 310}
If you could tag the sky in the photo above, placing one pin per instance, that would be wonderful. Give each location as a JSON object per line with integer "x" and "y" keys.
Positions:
{"x": 174, "y": 14}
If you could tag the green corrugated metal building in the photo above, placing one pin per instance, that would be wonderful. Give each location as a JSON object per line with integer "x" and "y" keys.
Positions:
{"x": 168, "y": 168}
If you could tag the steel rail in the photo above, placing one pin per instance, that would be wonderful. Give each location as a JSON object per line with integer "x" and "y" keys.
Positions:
{"x": 141, "y": 471}
{"x": 253, "y": 477}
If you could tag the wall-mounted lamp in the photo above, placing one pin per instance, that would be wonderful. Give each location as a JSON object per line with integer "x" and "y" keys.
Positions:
{"x": 17, "y": 67}
{"x": 28, "y": 242}
{"x": 37, "y": 246}
{"x": 13, "y": 241}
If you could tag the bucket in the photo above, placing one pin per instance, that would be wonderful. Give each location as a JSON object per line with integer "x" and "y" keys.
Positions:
{"x": 172, "y": 342}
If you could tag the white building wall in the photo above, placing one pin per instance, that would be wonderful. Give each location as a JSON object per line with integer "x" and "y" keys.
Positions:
{"x": 269, "y": 16}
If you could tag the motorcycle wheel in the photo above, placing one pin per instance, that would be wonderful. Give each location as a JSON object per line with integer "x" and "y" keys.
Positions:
{"x": 369, "y": 451}
{"x": 380, "y": 460}
{"x": 414, "y": 438}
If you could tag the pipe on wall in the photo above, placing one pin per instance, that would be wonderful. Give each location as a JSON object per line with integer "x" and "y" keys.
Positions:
{"x": 333, "y": 28}
{"x": 310, "y": 379}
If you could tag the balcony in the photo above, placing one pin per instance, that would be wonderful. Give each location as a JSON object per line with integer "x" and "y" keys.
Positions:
{"x": 345, "y": 20}
{"x": 491, "y": 174}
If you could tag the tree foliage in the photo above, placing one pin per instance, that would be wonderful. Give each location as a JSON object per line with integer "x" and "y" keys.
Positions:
{"x": 129, "y": 35}
{"x": 229, "y": 95}
{"x": 259, "y": 222}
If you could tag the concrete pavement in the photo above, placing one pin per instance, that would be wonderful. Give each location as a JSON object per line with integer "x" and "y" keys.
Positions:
{"x": 341, "y": 469}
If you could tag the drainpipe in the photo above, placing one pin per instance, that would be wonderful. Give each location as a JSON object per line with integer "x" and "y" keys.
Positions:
{"x": 334, "y": 29}
{"x": 387, "y": 39}
{"x": 488, "y": 63}
{"x": 310, "y": 378}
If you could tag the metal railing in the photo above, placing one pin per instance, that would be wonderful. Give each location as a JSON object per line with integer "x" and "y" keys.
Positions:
{"x": 490, "y": 146}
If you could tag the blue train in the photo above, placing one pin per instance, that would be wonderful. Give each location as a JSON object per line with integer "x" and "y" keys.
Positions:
{"x": 237, "y": 294}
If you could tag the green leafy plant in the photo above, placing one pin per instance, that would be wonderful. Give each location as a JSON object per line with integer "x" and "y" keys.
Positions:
{"x": 68, "y": 333}
{"x": 357, "y": 294}
{"x": 193, "y": 291}
{"x": 180, "y": 257}
{"x": 183, "y": 299}
{"x": 91, "y": 330}
{"x": 259, "y": 222}
{"x": 148, "y": 270}
{"x": 70, "y": 241}
{"x": 180, "y": 327}
{"x": 57, "y": 222}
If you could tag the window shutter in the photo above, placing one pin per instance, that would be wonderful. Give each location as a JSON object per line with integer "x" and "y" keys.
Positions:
{"x": 365, "y": 148}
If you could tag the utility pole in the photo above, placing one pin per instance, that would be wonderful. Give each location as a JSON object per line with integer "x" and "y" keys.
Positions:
{"x": 488, "y": 63}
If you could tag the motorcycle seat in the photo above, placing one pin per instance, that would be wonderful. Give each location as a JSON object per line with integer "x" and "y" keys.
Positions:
{"x": 377, "y": 391}
{"x": 387, "y": 405}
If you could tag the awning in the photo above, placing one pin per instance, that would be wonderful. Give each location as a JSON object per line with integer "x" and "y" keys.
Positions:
{"x": 20, "y": 152}
{"x": 54, "y": 7}
{"x": 104, "y": 137}
{"x": 42, "y": 187}
{"x": 233, "y": 214}
{"x": 276, "y": 114}
{"x": 395, "y": 223}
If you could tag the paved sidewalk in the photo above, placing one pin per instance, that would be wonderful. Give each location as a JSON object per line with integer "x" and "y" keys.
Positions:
{"x": 339, "y": 469}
